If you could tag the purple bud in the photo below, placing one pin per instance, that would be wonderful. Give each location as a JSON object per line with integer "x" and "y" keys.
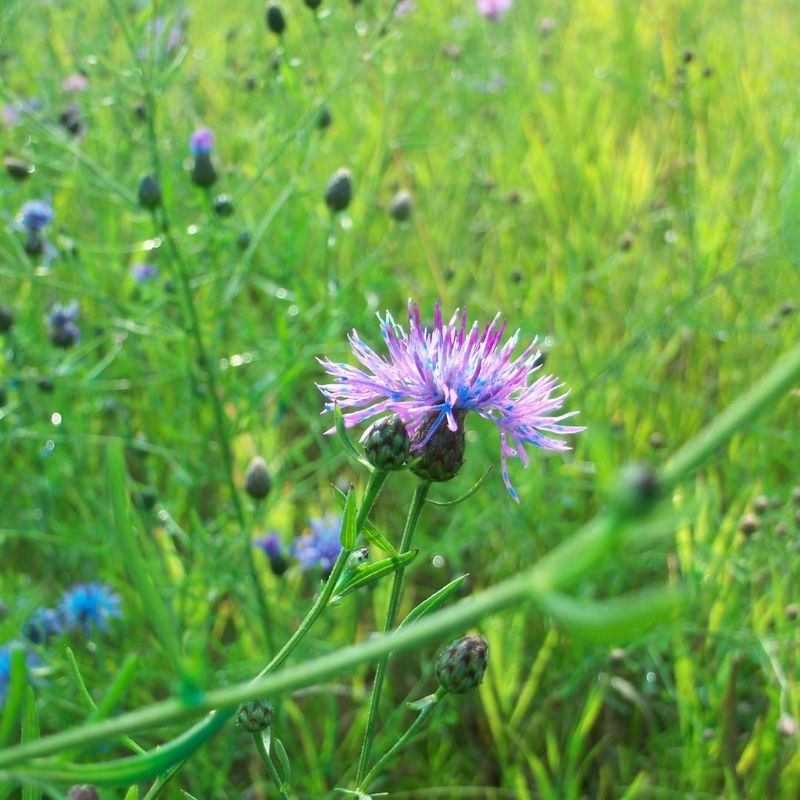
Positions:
{"x": 201, "y": 142}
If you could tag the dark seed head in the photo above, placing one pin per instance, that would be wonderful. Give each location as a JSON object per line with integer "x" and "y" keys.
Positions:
{"x": 255, "y": 716}
{"x": 257, "y": 481}
{"x": 442, "y": 456}
{"x": 223, "y": 205}
{"x": 149, "y": 192}
{"x": 461, "y": 666}
{"x": 402, "y": 205}
{"x": 276, "y": 21}
{"x": 18, "y": 169}
{"x": 339, "y": 191}
{"x": 748, "y": 524}
{"x": 6, "y": 319}
{"x": 386, "y": 443}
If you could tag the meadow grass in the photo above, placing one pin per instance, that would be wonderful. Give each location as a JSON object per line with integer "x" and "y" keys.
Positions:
{"x": 626, "y": 186}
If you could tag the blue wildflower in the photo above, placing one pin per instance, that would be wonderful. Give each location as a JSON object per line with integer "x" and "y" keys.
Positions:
{"x": 88, "y": 606}
{"x": 44, "y": 625}
{"x": 36, "y": 215}
{"x": 271, "y": 545}
{"x": 63, "y": 330}
{"x": 142, "y": 272}
{"x": 320, "y": 547}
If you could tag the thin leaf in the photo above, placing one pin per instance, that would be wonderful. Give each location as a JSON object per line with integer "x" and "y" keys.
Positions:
{"x": 423, "y": 702}
{"x": 611, "y": 621}
{"x": 436, "y": 600}
{"x": 368, "y": 530}
{"x": 30, "y": 731}
{"x": 283, "y": 759}
{"x": 132, "y": 793}
{"x": 348, "y": 533}
{"x": 347, "y": 442}
{"x": 465, "y": 496}
{"x": 365, "y": 574}
{"x": 15, "y": 695}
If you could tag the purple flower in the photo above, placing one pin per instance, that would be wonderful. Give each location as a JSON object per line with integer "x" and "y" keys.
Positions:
{"x": 201, "y": 142}
{"x": 88, "y": 606}
{"x": 142, "y": 272}
{"x": 270, "y": 544}
{"x": 494, "y": 9}
{"x": 36, "y": 215}
{"x": 449, "y": 370}
{"x": 320, "y": 547}
{"x": 404, "y": 8}
{"x": 63, "y": 330}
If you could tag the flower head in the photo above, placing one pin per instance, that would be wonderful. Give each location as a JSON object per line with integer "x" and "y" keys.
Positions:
{"x": 320, "y": 547}
{"x": 142, "y": 272}
{"x": 494, "y": 9}
{"x": 43, "y": 626}
{"x": 88, "y": 606}
{"x": 201, "y": 142}
{"x": 270, "y": 544}
{"x": 63, "y": 330}
{"x": 435, "y": 376}
{"x": 36, "y": 215}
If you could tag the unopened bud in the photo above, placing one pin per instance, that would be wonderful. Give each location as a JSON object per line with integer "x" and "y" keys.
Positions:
{"x": 462, "y": 664}
{"x": 149, "y": 192}
{"x": 223, "y": 205}
{"x": 401, "y": 206}
{"x": 339, "y": 191}
{"x": 257, "y": 481}
{"x": 386, "y": 443}
{"x": 276, "y": 21}
{"x": 203, "y": 172}
{"x": 18, "y": 169}
{"x": 255, "y": 716}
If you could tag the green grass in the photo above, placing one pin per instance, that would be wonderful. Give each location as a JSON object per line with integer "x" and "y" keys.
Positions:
{"x": 637, "y": 210}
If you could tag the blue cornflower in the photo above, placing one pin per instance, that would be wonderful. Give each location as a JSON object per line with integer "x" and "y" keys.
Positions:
{"x": 320, "y": 547}
{"x": 43, "y": 626}
{"x": 36, "y": 215}
{"x": 88, "y": 606}
{"x": 63, "y": 330}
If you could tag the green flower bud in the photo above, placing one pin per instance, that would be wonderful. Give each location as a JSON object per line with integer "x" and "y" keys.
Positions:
{"x": 401, "y": 206}
{"x": 203, "y": 172}
{"x": 149, "y": 192}
{"x": 276, "y": 21}
{"x": 462, "y": 664}
{"x": 255, "y": 716}
{"x": 83, "y": 792}
{"x": 386, "y": 443}
{"x": 257, "y": 481}
{"x": 223, "y": 205}
{"x": 339, "y": 191}
{"x": 443, "y": 455}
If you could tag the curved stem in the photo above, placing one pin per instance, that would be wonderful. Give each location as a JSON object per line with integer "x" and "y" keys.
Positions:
{"x": 273, "y": 773}
{"x": 415, "y": 726}
{"x": 417, "y": 503}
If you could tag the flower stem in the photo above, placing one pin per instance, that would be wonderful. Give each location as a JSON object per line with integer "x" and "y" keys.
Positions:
{"x": 415, "y": 726}
{"x": 417, "y": 503}
{"x": 273, "y": 773}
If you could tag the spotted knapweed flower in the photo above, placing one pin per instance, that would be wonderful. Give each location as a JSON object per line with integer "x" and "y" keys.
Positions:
{"x": 36, "y": 215}
{"x": 143, "y": 272}
{"x": 201, "y": 142}
{"x": 63, "y": 330}
{"x": 494, "y": 9}
{"x": 320, "y": 547}
{"x": 435, "y": 375}
{"x": 44, "y": 625}
{"x": 87, "y": 606}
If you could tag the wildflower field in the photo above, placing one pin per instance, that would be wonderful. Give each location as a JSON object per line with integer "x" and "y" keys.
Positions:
{"x": 399, "y": 399}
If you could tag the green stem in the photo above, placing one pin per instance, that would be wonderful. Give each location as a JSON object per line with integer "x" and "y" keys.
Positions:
{"x": 273, "y": 773}
{"x": 417, "y": 503}
{"x": 415, "y": 726}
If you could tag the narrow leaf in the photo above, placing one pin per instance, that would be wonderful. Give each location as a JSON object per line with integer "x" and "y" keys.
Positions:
{"x": 423, "y": 702}
{"x": 15, "y": 694}
{"x": 348, "y": 533}
{"x": 283, "y": 759}
{"x": 436, "y": 600}
{"x": 365, "y": 574}
{"x": 30, "y": 731}
{"x": 132, "y": 793}
{"x": 368, "y": 530}
{"x": 347, "y": 442}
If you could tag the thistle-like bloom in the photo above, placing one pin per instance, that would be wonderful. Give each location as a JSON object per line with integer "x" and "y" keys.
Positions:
{"x": 494, "y": 9}
{"x": 87, "y": 606}
{"x": 444, "y": 372}
{"x": 320, "y": 547}
{"x": 201, "y": 142}
{"x": 36, "y": 215}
